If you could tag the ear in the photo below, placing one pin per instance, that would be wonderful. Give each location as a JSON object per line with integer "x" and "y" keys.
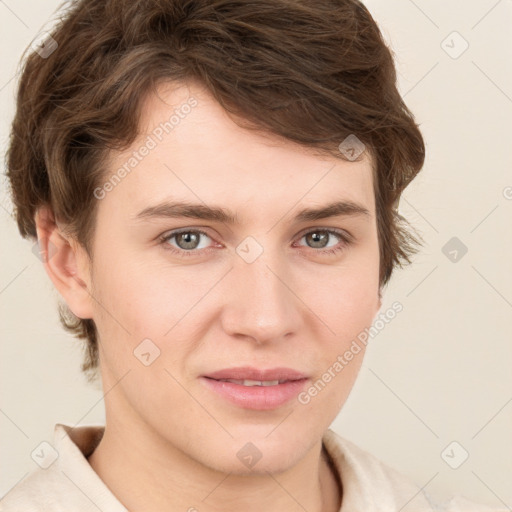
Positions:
{"x": 378, "y": 306}
{"x": 66, "y": 263}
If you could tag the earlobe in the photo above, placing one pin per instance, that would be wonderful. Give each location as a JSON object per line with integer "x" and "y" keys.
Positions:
{"x": 65, "y": 263}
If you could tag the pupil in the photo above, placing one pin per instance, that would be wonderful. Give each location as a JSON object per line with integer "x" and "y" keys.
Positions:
{"x": 189, "y": 239}
{"x": 318, "y": 236}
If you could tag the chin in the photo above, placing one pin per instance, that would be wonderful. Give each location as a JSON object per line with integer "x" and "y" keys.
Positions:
{"x": 259, "y": 454}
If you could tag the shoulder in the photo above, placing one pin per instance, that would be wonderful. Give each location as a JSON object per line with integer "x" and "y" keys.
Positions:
{"x": 36, "y": 492}
{"x": 460, "y": 504}
{"x": 369, "y": 484}
{"x": 63, "y": 481}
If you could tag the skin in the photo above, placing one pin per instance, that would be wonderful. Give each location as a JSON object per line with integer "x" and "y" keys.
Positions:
{"x": 170, "y": 443}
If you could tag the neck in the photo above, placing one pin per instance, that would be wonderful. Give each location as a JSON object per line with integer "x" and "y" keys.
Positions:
{"x": 145, "y": 473}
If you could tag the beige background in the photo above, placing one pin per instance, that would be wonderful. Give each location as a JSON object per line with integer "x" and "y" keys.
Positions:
{"x": 441, "y": 370}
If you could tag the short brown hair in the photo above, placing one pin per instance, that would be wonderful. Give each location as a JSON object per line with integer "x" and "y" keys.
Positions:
{"x": 311, "y": 71}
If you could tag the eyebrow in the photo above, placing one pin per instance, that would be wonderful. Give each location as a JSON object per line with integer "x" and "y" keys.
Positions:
{"x": 215, "y": 213}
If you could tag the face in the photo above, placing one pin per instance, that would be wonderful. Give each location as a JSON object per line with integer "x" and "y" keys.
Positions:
{"x": 180, "y": 297}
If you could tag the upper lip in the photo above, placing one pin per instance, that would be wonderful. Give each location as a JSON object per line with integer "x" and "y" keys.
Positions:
{"x": 250, "y": 373}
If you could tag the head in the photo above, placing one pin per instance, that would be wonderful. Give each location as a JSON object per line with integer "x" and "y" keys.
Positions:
{"x": 224, "y": 106}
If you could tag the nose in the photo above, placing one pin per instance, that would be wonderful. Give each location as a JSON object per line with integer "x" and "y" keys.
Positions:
{"x": 260, "y": 301}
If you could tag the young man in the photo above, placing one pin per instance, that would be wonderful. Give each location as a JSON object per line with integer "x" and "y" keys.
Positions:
{"x": 214, "y": 185}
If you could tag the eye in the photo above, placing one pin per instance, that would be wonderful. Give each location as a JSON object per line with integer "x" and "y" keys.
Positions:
{"x": 187, "y": 242}
{"x": 320, "y": 238}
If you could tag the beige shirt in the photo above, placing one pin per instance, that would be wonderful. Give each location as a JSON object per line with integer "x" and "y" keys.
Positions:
{"x": 66, "y": 482}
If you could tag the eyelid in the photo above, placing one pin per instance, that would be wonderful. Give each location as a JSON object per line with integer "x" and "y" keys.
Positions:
{"x": 338, "y": 231}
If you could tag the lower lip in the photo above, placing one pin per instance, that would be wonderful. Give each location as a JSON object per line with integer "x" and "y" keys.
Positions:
{"x": 259, "y": 398}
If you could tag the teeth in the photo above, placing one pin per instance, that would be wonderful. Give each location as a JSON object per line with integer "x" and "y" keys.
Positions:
{"x": 248, "y": 382}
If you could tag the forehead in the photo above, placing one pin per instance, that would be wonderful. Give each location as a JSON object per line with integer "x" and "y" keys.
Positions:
{"x": 195, "y": 151}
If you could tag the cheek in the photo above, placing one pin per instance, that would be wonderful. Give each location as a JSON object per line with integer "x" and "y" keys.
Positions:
{"x": 346, "y": 297}
{"x": 138, "y": 300}
{"x": 129, "y": 300}
{"x": 347, "y": 302}
{"x": 347, "y": 305}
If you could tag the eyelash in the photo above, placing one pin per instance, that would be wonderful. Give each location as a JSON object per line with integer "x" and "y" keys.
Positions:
{"x": 345, "y": 238}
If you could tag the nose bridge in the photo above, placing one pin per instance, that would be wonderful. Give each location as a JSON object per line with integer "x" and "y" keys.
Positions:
{"x": 260, "y": 304}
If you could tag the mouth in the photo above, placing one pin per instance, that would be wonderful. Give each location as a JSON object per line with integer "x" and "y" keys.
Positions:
{"x": 248, "y": 382}
{"x": 256, "y": 389}
{"x": 251, "y": 374}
